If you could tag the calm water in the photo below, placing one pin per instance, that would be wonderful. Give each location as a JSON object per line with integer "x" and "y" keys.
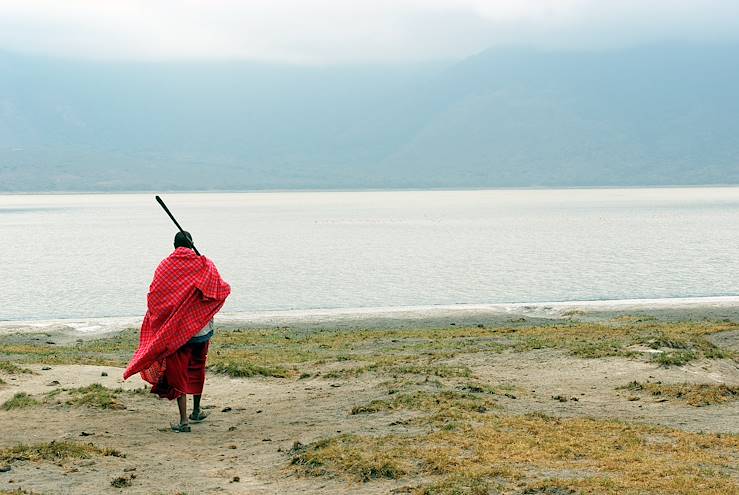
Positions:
{"x": 73, "y": 256}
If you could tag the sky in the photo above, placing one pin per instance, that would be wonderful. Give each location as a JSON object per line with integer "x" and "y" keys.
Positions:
{"x": 318, "y": 32}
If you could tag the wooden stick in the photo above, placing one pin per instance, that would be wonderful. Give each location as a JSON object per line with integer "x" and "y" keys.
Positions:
{"x": 161, "y": 203}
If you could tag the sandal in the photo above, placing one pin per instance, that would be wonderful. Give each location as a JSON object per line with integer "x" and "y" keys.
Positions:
{"x": 200, "y": 416}
{"x": 180, "y": 427}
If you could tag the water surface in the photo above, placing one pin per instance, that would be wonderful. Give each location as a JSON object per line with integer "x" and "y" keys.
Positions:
{"x": 72, "y": 256}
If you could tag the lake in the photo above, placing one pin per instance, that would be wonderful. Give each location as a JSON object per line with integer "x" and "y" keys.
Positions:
{"x": 93, "y": 255}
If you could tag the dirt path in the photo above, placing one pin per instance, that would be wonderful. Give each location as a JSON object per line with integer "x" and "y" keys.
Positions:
{"x": 593, "y": 382}
{"x": 250, "y": 441}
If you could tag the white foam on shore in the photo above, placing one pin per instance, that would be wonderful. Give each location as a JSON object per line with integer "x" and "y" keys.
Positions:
{"x": 542, "y": 309}
{"x": 89, "y": 326}
{"x": 97, "y": 326}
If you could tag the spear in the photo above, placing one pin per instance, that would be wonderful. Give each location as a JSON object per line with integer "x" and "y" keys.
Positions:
{"x": 161, "y": 203}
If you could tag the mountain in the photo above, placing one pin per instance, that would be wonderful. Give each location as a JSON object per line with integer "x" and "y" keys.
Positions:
{"x": 654, "y": 115}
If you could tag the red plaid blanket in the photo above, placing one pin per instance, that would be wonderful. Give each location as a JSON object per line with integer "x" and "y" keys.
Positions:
{"x": 187, "y": 291}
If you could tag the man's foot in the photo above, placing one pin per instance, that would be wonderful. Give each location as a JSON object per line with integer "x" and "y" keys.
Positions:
{"x": 198, "y": 416}
{"x": 181, "y": 427}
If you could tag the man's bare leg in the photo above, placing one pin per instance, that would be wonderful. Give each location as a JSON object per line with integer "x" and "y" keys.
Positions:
{"x": 182, "y": 405}
{"x": 197, "y": 415}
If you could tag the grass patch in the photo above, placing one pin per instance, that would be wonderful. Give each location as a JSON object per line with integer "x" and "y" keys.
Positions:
{"x": 96, "y": 396}
{"x": 389, "y": 365}
{"x": 110, "y": 351}
{"x": 14, "y": 369}
{"x": 617, "y": 457}
{"x": 351, "y": 456}
{"x": 456, "y": 485}
{"x": 682, "y": 342}
{"x": 238, "y": 370}
{"x": 422, "y": 400}
{"x": 20, "y": 400}
{"x": 441, "y": 371}
{"x": 674, "y": 358}
{"x": 476, "y": 387}
{"x": 695, "y": 394}
{"x": 283, "y": 352}
{"x": 344, "y": 373}
{"x": 55, "y": 452}
{"x": 120, "y": 482}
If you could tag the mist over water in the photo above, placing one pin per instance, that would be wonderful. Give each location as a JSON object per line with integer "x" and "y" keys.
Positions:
{"x": 74, "y": 256}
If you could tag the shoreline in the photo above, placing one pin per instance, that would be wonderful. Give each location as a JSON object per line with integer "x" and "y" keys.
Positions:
{"x": 403, "y": 316}
{"x": 365, "y": 189}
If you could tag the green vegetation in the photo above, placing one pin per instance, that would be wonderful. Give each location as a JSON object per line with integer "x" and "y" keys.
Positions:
{"x": 695, "y": 394}
{"x": 19, "y": 401}
{"x": 437, "y": 370}
{"x": 421, "y": 400}
{"x": 346, "y": 452}
{"x": 111, "y": 351}
{"x": 96, "y": 396}
{"x": 457, "y": 485}
{"x": 54, "y": 452}
{"x": 238, "y": 370}
{"x": 290, "y": 353}
{"x": 485, "y": 388}
{"x": 287, "y": 353}
{"x": 13, "y": 369}
{"x": 398, "y": 352}
{"x": 674, "y": 358}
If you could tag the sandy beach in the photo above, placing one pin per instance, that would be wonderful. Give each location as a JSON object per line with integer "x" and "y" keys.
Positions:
{"x": 639, "y": 398}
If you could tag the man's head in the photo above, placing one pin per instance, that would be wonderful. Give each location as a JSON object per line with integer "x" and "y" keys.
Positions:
{"x": 183, "y": 239}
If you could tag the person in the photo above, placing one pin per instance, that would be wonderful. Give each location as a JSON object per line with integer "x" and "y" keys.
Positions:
{"x": 185, "y": 294}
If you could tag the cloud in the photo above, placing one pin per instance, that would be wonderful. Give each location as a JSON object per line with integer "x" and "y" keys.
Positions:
{"x": 341, "y": 31}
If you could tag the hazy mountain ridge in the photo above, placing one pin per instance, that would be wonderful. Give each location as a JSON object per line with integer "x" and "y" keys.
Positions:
{"x": 647, "y": 116}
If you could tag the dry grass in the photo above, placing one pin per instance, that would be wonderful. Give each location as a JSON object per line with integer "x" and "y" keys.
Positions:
{"x": 245, "y": 369}
{"x": 20, "y": 400}
{"x": 695, "y": 394}
{"x": 460, "y": 443}
{"x": 615, "y": 457}
{"x": 422, "y": 400}
{"x": 110, "y": 351}
{"x": 361, "y": 458}
{"x": 674, "y": 358}
{"x": 95, "y": 396}
{"x": 456, "y": 485}
{"x": 54, "y": 452}
{"x": 288, "y": 353}
{"x": 13, "y": 369}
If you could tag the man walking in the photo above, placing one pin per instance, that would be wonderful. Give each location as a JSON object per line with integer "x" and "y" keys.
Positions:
{"x": 187, "y": 291}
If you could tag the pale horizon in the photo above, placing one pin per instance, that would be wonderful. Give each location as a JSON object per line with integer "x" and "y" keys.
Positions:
{"x": 334, "y": 32}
